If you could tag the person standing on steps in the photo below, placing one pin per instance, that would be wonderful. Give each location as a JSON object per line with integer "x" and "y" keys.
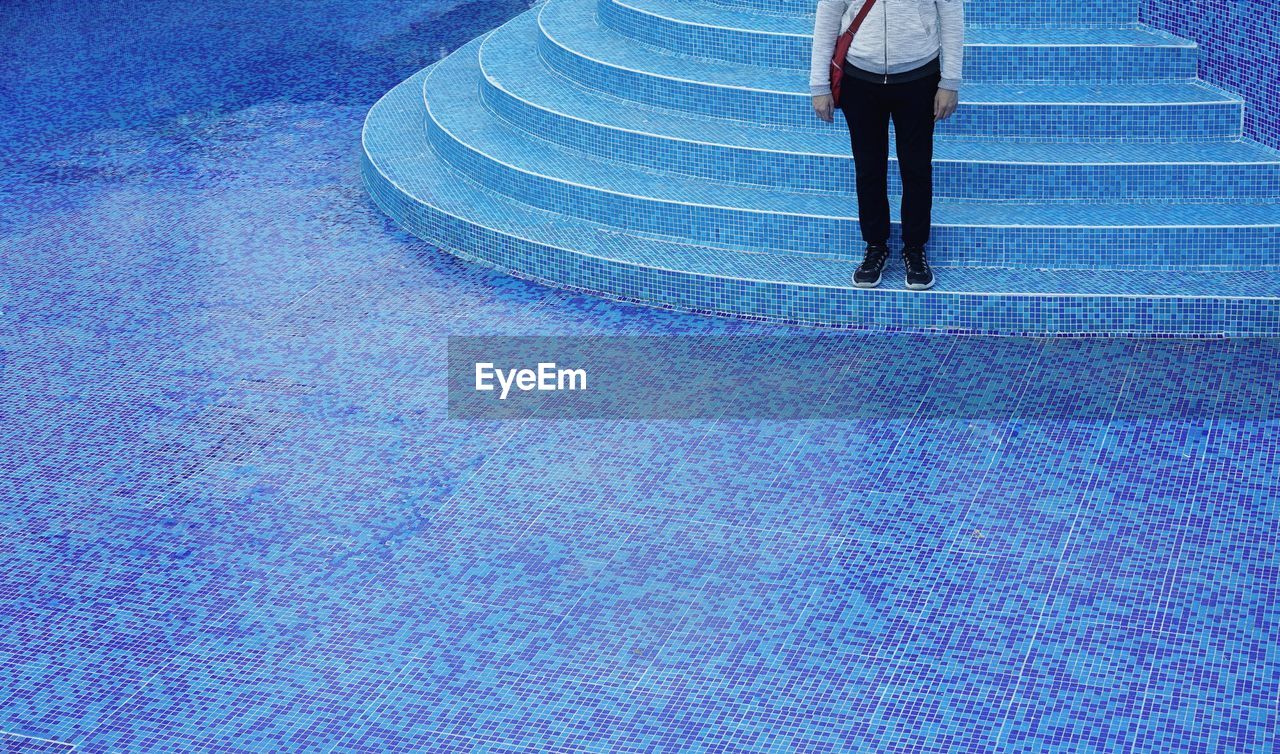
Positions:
{"x": 904, "y": 63}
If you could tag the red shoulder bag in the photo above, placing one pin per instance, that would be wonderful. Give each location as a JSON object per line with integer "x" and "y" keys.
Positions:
{"x": 842, "y": 49}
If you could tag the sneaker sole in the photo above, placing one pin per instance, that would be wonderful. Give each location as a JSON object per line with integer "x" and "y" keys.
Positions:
{"x": 872, "y": 284}
{"x": 919, "y": 287}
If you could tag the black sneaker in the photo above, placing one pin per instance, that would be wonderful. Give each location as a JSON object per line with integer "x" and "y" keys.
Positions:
{"x": 868, "y": 273}
{"x": 919, "y": 276}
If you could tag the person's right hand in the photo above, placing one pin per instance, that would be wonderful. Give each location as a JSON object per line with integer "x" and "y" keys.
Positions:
{"x": 824, "y": 106}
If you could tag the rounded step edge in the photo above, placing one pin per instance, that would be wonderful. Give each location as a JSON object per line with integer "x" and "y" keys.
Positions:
{"x": 543, "y": 103}
{"x": 1058, "y": 236}
{"x": 401, "y": 176}
{"x": 573, "y": 44}
{"x": 1048, "y": 54}
{"x": 1006, "y": 13}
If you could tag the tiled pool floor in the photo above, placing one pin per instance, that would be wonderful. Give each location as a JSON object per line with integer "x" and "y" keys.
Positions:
{"x": 235, "y": 517}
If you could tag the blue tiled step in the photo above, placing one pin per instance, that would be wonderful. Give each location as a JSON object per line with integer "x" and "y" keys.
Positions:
{"x": 1062, "y": 235}
{"x": 780, "y": 7}
{"x": 1043, "y": 53}
{"x": 574, "y": 44}
{"x": 521, "y": 90}
{"x": 988, "y": 12}
{"x": 430, "y": 200}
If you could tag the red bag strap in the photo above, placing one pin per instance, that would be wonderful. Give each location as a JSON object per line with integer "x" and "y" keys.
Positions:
{"x": 857, "y": 20}
{"x": 843, "y": 42}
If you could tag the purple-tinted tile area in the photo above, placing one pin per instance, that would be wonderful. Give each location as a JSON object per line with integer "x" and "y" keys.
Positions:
{"x": 235, "y": 515}
{"x": 1239, "y": 50}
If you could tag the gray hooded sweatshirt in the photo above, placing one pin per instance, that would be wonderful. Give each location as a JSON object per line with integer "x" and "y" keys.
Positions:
{"x": 896, "y": 36}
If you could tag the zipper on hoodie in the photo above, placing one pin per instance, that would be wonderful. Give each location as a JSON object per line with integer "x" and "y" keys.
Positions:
{"x": 886, "y": 41}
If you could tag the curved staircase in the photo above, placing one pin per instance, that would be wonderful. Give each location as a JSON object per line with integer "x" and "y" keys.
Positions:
{"x": 1088, "y": 184}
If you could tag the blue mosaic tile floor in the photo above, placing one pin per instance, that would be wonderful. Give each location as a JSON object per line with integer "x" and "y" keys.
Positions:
{"x": 234, "y": 516}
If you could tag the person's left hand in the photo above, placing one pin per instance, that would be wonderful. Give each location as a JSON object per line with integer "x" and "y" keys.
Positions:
{"x": 944, "y": 104}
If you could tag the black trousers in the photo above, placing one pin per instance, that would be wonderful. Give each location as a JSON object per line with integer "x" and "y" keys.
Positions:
{"x": 867, "y": 108}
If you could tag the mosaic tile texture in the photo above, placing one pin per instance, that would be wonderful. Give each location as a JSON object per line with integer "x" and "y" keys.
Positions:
{"x": 664, "y": 152}
{"x": 1238, "y": 51}
{"x": 234, "y": 516}
{"x": 1036, "y": 53}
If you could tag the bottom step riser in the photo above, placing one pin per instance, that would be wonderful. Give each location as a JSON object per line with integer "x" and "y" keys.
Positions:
{"x": 1006, "y": 314}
